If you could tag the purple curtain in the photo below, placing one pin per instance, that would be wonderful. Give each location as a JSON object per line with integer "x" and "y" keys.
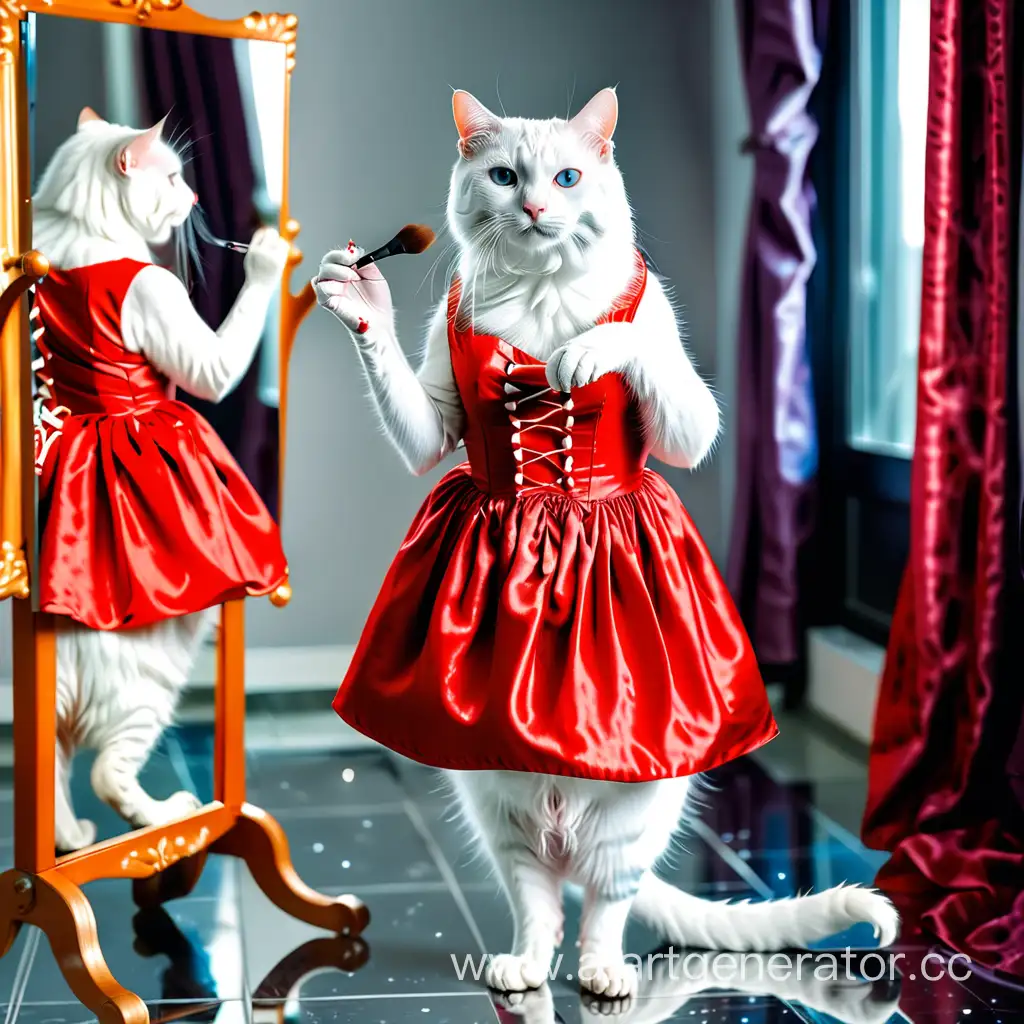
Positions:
{"x": 195, "y": 79}
{"x": 778, "y": 452}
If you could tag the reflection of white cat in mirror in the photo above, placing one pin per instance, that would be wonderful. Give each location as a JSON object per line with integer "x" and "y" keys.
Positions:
{"x": 823, "y": 982}
{"x": 116, "y": 334}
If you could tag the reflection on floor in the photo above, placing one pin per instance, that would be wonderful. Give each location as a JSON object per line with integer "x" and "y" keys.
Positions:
{"x": 379, "y": 827}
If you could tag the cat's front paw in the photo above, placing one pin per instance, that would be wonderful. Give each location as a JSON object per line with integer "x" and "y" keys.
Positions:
{"x": 358, "y": 297}
{"x": 581, "y": 363}
{"x": 174, "y": 808}
{"x": 75, "y": 837}
{"x": 266, "y": 259}
{"x": 607, "y": 975}
{"x": 510, "y": 973}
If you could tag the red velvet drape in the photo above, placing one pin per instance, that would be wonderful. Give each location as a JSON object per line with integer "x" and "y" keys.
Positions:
{"x": 953, "y": 689}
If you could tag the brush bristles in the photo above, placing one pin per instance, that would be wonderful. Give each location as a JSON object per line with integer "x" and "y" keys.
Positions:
{"x": 415, "y": 238}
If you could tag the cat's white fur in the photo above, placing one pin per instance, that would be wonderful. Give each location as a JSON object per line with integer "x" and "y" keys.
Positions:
{"x": 108, "y": 193}
{"x": 669, "y": 984}
{"x": 541, "y": 280}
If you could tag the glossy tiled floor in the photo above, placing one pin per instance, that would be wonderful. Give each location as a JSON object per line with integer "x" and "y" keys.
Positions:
{"x": 380, "y": 827}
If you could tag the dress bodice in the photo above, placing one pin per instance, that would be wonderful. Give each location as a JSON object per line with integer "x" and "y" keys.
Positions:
{"x": 521, "y": 436}
{"x": 84, "y": 366}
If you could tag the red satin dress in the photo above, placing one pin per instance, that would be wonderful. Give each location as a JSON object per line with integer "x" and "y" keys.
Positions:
{"x": 144, "y": 514}
{"x": 553, "y": 609}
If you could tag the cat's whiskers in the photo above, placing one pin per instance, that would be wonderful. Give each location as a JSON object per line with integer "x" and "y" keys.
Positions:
{"x": 469, "y": 287}
{"x": 452, "y": 246}
{"x": 177, "y": 133}
{"x": 487, "y": 241}
{"x": 490, "y": 268}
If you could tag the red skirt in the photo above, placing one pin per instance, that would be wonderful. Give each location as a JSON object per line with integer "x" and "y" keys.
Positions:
{"x": 535, "y": 633}
{"x": 147, "y": 516}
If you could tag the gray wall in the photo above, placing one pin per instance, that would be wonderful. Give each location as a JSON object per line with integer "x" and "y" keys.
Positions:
{"x": 68, "y": 50}
{"x": 734, "y": 178}
{"x": 372, "y": 147}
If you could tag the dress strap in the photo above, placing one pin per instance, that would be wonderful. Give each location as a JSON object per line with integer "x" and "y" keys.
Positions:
{"x": 454, "y": 298}
{"x": 454, "y": 295}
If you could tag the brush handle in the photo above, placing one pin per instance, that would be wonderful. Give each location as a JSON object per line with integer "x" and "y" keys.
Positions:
{"x": 233, "y": 246}
{"x": 392, "y": 248}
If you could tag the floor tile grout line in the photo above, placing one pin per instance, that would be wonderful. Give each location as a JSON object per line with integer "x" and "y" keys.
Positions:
{"x": 421, "y": 888}
{"x": 447, "y": 873}
{"x": 403, "y": 888}
{"x": 179, "y": 762}
{"x": 461, "y": 994}
{"x": 163, "y": 1002}
{"x": 729, "y": 855}
{"x": 798, "y": 1010}
{"x": 355, "y": 811}
{"x": 22, "y": 973}
{"x": 247, "y": 1007}
{"x": 837, "y": 831}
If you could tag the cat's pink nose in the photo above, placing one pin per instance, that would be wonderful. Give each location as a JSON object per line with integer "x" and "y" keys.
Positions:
{"x": 195, "y": 198}
{"x": 533, "y": 210}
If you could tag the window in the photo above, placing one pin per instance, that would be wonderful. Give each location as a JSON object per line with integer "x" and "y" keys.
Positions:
{"x": 888, "y": 130}
{"x": 266, "y": 119}
{"x": 261, "y": 75}
{"x": 865, "y": 298}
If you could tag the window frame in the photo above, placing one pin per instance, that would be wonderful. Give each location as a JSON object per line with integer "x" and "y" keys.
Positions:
{"x": 863, "y": 536}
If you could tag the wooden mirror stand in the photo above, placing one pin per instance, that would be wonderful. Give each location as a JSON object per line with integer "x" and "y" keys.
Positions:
{"x": 165, "y": 862}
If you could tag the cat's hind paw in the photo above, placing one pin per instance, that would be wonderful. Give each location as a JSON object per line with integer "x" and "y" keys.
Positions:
{"x": 609, "y": 977}
{"x": 509, "y": 973}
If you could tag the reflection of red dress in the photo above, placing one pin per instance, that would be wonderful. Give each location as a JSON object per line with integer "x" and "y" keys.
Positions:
{"x": 553, "y": 609}
{"x": 144, "y": 514}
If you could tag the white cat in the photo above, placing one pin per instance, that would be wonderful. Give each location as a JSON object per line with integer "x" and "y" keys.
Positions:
{"x": 112, "y": 192}
{"x": 541, "y": 260}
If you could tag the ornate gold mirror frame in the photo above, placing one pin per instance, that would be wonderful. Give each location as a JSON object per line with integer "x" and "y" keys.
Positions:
{"x": 165, "y": 861}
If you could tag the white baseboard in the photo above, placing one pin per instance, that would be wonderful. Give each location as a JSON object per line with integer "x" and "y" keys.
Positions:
{"x": 844, "y": 677}
{"x": 267, "y": 670}
{"x": 279, "y": 669}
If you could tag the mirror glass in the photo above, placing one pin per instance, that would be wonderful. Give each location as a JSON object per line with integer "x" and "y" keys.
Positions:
{"x": 128, "y": 480}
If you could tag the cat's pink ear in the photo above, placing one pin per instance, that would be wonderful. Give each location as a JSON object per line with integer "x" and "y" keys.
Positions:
{"x": 596, "y": 121}
{"x": 472, "y": 119}
{"x": 87, "y": 115}
{"x": 138, "y": 153}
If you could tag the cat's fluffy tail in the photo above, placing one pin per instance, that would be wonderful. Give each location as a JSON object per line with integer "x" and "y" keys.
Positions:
{"x": 759, "y": 927}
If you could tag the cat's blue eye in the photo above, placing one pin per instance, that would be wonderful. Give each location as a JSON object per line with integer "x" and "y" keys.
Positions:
{"x": 503, "y": 176}
{"x": 567, "y": 177}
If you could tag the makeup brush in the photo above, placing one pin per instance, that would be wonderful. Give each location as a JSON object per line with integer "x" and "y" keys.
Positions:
{"x": 412, "y": 239}
{"x": 225, "y": 244}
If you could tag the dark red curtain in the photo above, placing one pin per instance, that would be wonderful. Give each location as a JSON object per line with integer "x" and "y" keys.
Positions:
{"x": 941, "y": 794}
{"x": 776, "y": 433}
{"x": 195, "y": 80}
